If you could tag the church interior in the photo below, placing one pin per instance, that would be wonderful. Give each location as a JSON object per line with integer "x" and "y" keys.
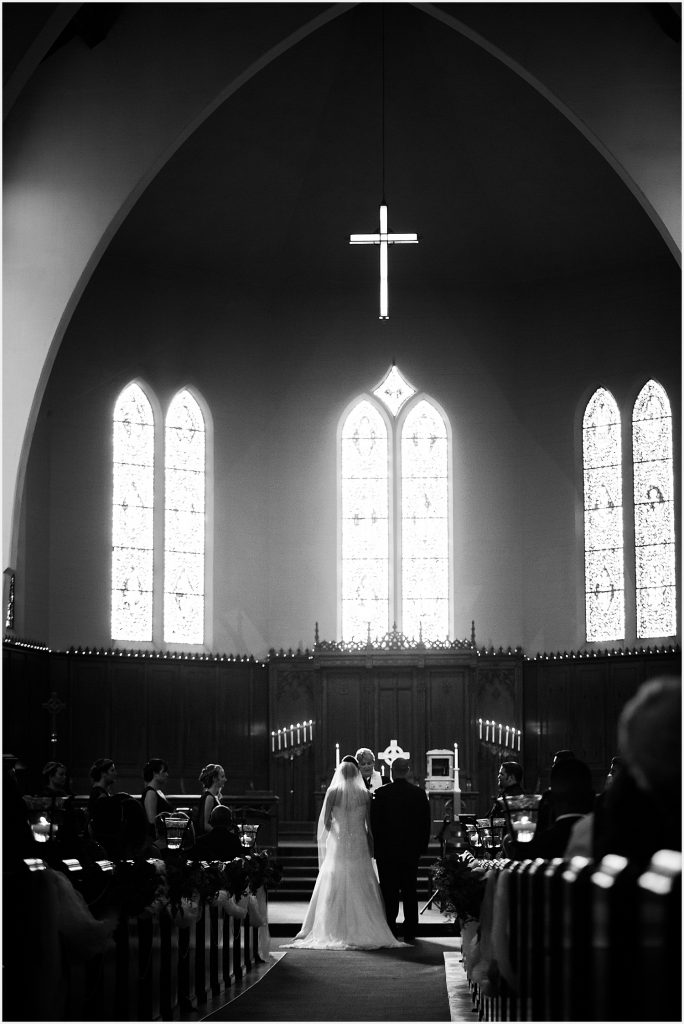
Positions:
{"x": 182, "y": 187}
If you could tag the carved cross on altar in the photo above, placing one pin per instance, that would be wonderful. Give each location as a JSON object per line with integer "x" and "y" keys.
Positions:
{"x": 392, "y": 752}
{"x": 383, "y": 238}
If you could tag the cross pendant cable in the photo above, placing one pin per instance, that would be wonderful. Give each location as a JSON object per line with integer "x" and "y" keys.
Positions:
{"x": 383, "y": 239}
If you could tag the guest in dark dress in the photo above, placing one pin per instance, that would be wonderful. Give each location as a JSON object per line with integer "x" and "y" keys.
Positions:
{"x": 155, "y": 775}
{"x": 222, "y": 842}
{"x": 103, "y": 774}
{"x": 212, "y": 778}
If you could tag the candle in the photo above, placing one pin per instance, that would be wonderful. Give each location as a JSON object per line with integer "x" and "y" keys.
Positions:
{"x": 311, "y": 729}
{"x": 499, "y": 733}
{"x": 487, "y": 730}
{"x": 518, "y": 739}
{"x": 298, "y": 733}
{"x": 480, "y": 724}
{"x": 291, "y": 734}
{"x": 272, "y": 740}
{"x": 507, "y": 731}
{"x": 279, "y": 739}
{"x": 337, "y": 755}
{"x": 456, "y": 757}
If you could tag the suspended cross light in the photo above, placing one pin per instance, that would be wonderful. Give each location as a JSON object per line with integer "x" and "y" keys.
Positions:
{"x": 383, "y": 237}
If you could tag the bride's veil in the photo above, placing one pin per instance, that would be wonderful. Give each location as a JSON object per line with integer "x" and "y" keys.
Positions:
{"x": 346, "y": 791}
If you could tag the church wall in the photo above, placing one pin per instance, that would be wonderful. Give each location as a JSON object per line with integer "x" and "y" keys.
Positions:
{"x": 510, "y": 370}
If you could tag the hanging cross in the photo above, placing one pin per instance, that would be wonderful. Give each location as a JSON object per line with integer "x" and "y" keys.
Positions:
{"x": 383, "y": 238}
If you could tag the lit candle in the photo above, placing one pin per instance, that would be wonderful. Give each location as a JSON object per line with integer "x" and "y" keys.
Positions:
{"x": 499, "y": 733}
{"x": 487, "y": 730}
{"x": 480, "y": 724}
{"x": 337, "y": 755}
{"x": 311, "y": 730}
{"x": 291, "y": 734}
{"x": 507, "y": 731}
{"x": 272, "y": 740}
{"x": 298, "y": 733}
{"x": 279, "y": 739}
{"x": 456, "y": 757}
{"x": 518, "y": 739}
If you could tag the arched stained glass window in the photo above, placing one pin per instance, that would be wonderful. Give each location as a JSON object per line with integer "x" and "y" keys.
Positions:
{"x": 132, "y": 516}
{"x": 603, "y": 530}
{"x": 425, "y": 523}
{"x": 364, "y": 477}
{"x": 184, "y": 521}
{"x": 654, "y": 528}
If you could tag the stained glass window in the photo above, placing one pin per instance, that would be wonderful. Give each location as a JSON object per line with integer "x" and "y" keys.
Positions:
{"x": 364, "y": 474}
{"x": 395, "y": 516}
{"x": 603, "y": 530}
{"x": 425, "y": 524}
{"x": 654, "y": 530}
{"x": 132, "y": 506}
{"x": 184, "y": 521}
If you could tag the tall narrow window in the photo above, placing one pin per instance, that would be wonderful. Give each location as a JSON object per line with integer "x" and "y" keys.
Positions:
{"x": 364, "y": 475}
{"x": 132, "y": 513}
{"x": 395, "y": 486}
{"x": 184, "y": 521}
{"x": 424, "y": 523}
{"x": 654, "y": 530}
{"x": 603, "y": 530}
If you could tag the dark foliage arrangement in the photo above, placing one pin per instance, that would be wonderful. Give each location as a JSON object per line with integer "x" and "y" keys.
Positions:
{"x": 460, "y": 887}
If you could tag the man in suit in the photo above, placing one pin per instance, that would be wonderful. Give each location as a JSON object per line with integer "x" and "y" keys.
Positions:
{"x": 400, "y": 822}
{"x": 365, "y": 758}
{"x": 509, "y": 782}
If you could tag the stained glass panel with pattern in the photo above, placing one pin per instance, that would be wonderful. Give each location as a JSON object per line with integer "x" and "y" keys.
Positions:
{"x": 425, "y": 524}
{"x": 184, "y": 521}
{"x": 132, "y": 516}
{"x": 603, "y": 529}
{"x": 654, "y": 528}
{"x": 364, "y": 478}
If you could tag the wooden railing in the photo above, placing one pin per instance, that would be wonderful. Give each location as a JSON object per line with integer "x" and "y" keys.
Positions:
{"x": 574, "y": 940}
{"x": 157, "y": 967}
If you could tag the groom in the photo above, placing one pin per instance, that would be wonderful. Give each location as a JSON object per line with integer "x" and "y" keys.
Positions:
{"x": 400, "y": 822}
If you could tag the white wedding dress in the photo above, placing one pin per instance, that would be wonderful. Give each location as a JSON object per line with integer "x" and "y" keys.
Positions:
{"x": 346, "y": 909}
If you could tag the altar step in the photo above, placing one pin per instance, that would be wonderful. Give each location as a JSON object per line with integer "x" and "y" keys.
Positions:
{"x": 299, "y": 861}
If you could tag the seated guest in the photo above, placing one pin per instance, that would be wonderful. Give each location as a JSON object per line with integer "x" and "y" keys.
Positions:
{"x": 17, "y": 837}
{"x": 212, "y": 778}
{"x": 155, "y": 775}
{"x": 581, "y": 841}
{"x": 103, "y": 774}
{"x": 509, "y": 781}
{"x": 571, "y": 797}
{"x": 55, "y": 781}
{"x": 642, "y": 809}
{"x": 544, "y": 812}
{"x": 222, "y": 842}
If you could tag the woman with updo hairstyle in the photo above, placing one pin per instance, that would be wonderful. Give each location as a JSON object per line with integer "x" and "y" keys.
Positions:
{"x": 155, "y": 775}
{"x": 55, "y": 780}
{"x": 212, "y": 778}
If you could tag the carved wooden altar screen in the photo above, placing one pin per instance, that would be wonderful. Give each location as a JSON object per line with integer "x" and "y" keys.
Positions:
{"x": 369, "y": 694}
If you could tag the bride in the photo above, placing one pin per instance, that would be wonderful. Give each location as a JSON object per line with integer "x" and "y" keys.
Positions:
{"x": 346, "y": 909}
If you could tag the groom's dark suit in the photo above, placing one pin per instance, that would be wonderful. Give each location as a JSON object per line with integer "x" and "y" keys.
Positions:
{"x": 400, "y": 822}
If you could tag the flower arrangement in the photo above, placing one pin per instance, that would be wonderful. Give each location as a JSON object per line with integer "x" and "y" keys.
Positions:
{"x": 460, "y": 887}
{"x": 180, "y": 887}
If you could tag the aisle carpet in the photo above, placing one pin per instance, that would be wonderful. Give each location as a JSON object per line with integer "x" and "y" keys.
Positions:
{"x": 406, "y": 984}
